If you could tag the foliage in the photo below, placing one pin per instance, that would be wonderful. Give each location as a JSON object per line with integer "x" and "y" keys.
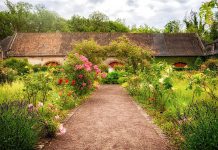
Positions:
{"x": 97, "y": 22}
{"x": 173, "y": 99}
{"x": 144, "y": 29}
{"x": 153, "y": 85}
{"x": 38, "y": 68}
{"x": 172, "y": 27}
{"x": 212, "y": 64}
{"x": 205, "y": 22}
{"x": 198, "y": 63}
{"x": 17, "y": 130}
{"x": 126, "y": 51}
{"x": 195, "y": 24}
{"x": 79, "y": 74}
{"x": 37, "y": 87}
{"x": 20, "y": 65}
{"x": 200, "y": 125}
{"x": 6, "y": 74}
{"x": 206, "y": 11}
{"x": 204, "y": 83}
{"x": 91, "y": 49}
{"x": 112, "y": 78}
{"x": 11, "y": 91}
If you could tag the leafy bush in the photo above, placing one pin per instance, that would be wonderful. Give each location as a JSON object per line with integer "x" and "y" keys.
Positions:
{"x": 20, "y": 65}
{"x": 38, "y": 68}
{"x": 7, "y": 75}
{"x": 212, "y": 64}
{"x": 122, "y": 80}
{"x": 37, "y": 86}
{"x": 112, "y": 78}
{"x": 47, "y": 125}
{"x": 122, "y": 48}
{"x": 200, "y": 126}
{"x": 17, "y": 130}
{"x": 11, "y": 91}
{"x": 79, "y": 75}
{"x": 155, "y": 86}
{"x": 198, "y": 63}
{"x": 90, "y": 49}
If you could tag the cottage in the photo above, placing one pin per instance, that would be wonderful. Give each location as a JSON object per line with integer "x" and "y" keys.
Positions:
{"x": 179, "y": 49}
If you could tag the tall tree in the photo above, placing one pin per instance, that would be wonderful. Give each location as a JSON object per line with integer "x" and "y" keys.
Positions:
{"x": 195, "y": 24}
{"x": 144, "y": 29}
{"x": 19, "y": 14}
{"x": 172, "y": 27}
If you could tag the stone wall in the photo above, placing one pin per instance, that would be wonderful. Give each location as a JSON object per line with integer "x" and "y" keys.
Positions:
{"x": 44, "y": 60}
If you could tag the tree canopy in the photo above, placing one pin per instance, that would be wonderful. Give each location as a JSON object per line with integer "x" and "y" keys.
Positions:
{"x": 25, "y": 17}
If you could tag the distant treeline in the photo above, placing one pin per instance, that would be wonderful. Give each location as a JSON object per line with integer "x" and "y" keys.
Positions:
{"x": 24, "y": 17}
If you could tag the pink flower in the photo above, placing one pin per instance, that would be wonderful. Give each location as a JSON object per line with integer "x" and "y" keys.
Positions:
{"x": 95, "y": 67}
{"x": 104, "y": 75}
{"x": 79, "y": 67}
{"x": 30, "y": 107}
{"x": 83, "y": 58}
{"x": 97, "y": 70}
{"x": 83, "y": 84}
{"x": 80, "y": 76}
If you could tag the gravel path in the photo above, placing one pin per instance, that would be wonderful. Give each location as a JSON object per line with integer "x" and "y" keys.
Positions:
{"x": 109, "y": 120}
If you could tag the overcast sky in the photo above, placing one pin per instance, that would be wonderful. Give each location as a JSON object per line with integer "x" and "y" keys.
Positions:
{"x": 151, "y": 12}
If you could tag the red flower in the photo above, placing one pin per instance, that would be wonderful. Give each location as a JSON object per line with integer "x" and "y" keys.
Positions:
{"x": 73, "y": 82}
{"x": 66, "y": 81}
{"x": 60, "y": 81}
{"x": 70, "y": 93}
{"x": 80, "y": 76}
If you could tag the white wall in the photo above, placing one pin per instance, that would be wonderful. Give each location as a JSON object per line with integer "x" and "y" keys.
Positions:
{"x": 44, "y": 60}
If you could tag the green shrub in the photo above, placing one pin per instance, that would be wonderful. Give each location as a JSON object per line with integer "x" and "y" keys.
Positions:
{"x": 7, "y": 75}
{"x": 38, "y": 68}
{"x": 200, "y": 126}
{"x": 112, "y": 78}
{"x": 20, "y": 65}
{"x": 212, "y": 64}
{"x": 48, "y": 128}
{"x": 122, "y": 80}
{"x": 198, "y": 63}
{"x": 16, "y": 131}
{"x": 37, "y": 86}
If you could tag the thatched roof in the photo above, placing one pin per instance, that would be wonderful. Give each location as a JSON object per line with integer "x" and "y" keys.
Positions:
{"x": 59, "y": 44}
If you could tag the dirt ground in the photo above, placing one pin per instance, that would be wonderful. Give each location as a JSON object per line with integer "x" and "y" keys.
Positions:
{"x": 109, "y": 120}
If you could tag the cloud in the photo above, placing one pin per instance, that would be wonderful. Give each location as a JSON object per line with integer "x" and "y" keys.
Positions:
{"x": 151, "y": 12}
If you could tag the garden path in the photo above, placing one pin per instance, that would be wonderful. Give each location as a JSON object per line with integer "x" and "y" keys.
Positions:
{"x": 109, "y": 120}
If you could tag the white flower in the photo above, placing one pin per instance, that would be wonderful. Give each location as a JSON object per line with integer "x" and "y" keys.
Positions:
{"x": 169, "y": 69}
{"x": 40, "y": 104}
{"x": 62, "y": 130}
{"x": 57, "y": 117}
{"x": 151, "y": 87}
{"x": 161, "y": 80}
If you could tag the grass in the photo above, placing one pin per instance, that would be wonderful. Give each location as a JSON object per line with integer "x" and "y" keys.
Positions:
{"x": 11, "y": 91}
